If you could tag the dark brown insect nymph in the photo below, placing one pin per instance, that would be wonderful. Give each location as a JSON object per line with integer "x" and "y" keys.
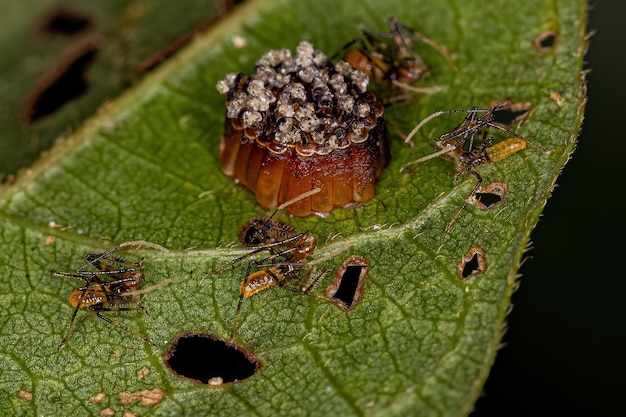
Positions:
{"x": 391, "y": 57}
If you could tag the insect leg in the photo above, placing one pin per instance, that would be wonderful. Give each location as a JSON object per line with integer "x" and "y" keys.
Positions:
{"x": 98, "y": 308}
{"x": 458, "y": 213}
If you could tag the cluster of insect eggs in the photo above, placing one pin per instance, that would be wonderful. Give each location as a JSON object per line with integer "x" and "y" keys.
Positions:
{"x": 301, "y": 123}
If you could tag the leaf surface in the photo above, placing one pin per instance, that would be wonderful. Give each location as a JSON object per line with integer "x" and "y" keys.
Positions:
{"x": 146, "y": 167}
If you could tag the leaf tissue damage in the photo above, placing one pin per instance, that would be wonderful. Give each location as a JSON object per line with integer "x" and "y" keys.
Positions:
{"x": 63, "y": 82}
{"x": 65, "y": 21}
{"x": 398, "y": 315}
{"x": 204, "y": 358}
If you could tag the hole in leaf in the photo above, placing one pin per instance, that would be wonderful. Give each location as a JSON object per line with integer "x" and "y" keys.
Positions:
{"x": 210, "y": 360}
{"x": 486, "y": 198}
{"x": 546, "y": 41}
{"x": 347, "y": 290}
{"x": 473, "y": 263}
{"x": 64, "y": 21}
{"x": 63, "y": 82}
{"x": 514, "y": 113}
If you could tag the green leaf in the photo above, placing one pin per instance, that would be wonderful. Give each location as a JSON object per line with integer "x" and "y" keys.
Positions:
{"x": 420, "y": 343}
{"x": 111, "y": 44}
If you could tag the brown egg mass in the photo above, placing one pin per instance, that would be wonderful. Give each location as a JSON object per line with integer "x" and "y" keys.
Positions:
{"x": 299, "y": 123}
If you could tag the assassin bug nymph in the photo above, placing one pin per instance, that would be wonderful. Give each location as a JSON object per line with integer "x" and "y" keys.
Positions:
{"x": 398, "y": 62}
{"x": 469, "y": 145}
{"x": 112, "y": 286}
{"x": 288, "y": 251}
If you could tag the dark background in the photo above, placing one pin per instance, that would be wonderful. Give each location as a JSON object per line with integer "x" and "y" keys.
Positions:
{"x": 565, "y": 349}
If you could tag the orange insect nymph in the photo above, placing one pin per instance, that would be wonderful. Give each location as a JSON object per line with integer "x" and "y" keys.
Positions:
{"x": 108, "y": 293}
{"x": 469, "y": 145}
{"x": 112, "y": 286}
{"x": 287, "y": 257}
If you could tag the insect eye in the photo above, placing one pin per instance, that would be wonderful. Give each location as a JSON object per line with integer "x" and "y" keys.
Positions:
{"x": 253, "y": 232}
{"x": 252, "y": 237}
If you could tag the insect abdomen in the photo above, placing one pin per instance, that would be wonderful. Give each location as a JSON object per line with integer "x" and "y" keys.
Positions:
{"x": 257, "y": 282}
{"x": 506, "y": 148}
{"x": 86, "y": 298}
